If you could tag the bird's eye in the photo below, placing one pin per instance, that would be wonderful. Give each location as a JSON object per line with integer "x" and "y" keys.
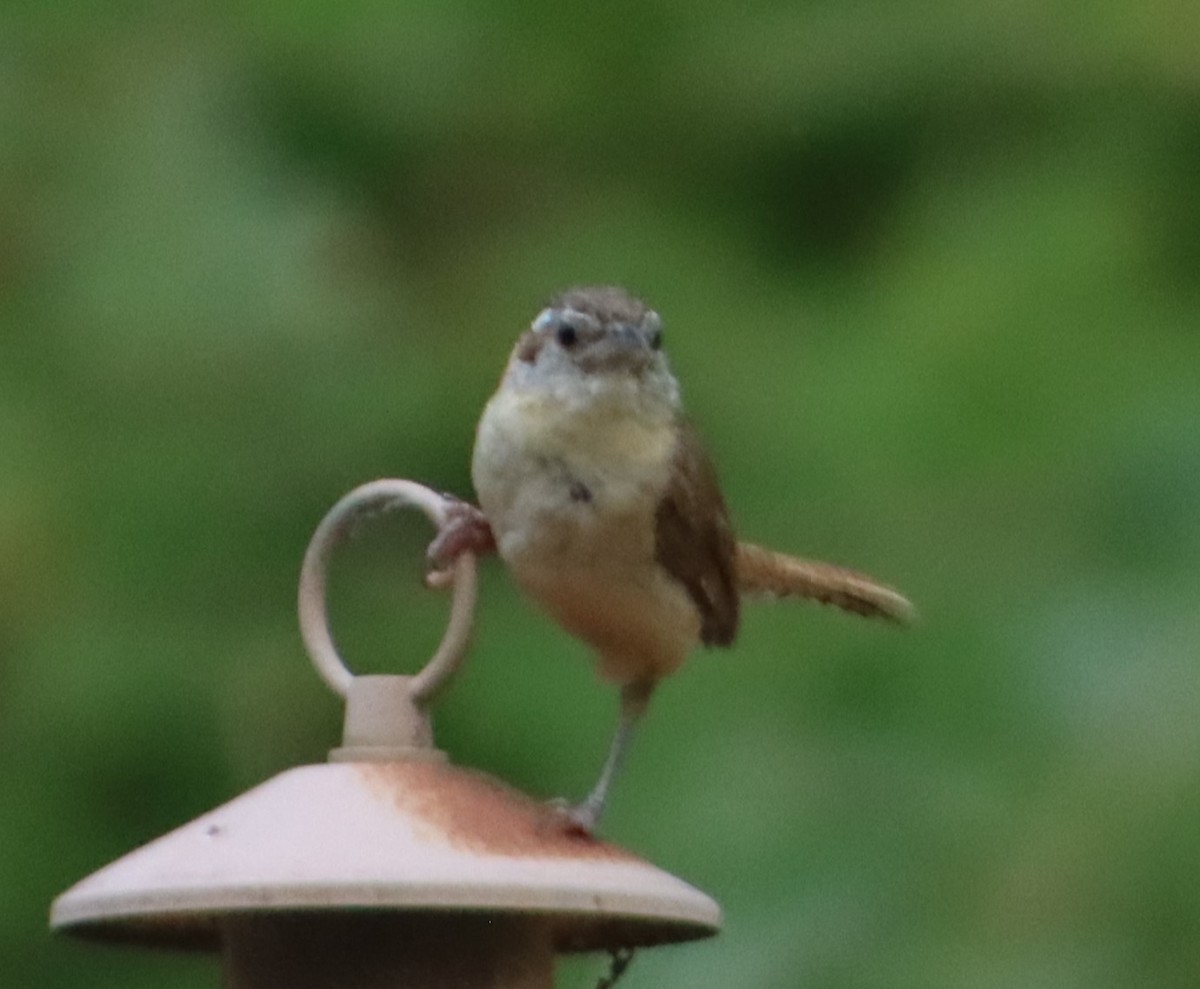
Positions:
{"x": 567, "y": 335}
{"x": 656, "y": 340}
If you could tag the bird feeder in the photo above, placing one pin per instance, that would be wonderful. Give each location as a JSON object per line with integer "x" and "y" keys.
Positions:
{"x": 388, "y": 866}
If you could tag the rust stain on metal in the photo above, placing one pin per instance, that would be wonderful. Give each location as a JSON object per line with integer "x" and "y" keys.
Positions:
{"x": 474, "y": 811}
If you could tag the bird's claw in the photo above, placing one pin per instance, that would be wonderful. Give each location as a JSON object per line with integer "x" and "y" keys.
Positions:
{"x": 579, "y": 818}
{"x": 465, "y": 530}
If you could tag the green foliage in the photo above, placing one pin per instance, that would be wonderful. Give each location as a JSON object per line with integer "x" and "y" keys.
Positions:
{"x": 928, "y": 273}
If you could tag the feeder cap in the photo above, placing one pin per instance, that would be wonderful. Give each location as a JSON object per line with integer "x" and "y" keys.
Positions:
{"x": 384, "y": 836}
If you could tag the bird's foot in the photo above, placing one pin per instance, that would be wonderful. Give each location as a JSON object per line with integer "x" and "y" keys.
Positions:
{"x": 581, "y": 818}
{"x": 466, "y": 530}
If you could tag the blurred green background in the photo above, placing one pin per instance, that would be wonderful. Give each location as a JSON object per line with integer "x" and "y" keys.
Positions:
{"x": 929, "y": 274}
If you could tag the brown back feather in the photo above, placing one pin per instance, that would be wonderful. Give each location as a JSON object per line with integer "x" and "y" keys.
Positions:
{"x": 694, "y": 541}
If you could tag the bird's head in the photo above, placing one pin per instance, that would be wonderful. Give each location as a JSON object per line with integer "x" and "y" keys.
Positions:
{"x": 600, "y": 338}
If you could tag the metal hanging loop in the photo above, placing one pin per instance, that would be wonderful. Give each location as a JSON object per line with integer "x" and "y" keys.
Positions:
{"x": 375, "y": 497}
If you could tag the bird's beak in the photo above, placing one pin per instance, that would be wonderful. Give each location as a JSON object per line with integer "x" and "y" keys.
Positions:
{"x": 623, "y": 348}
{"x": 629, "y": 338}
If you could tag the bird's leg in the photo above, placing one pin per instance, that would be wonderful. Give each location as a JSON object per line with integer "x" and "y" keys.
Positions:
{"x": 466, "y": 530}
{"x": 634, "y": 698}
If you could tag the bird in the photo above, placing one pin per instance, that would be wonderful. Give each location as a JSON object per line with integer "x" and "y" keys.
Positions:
{"x": 597, "y": 492}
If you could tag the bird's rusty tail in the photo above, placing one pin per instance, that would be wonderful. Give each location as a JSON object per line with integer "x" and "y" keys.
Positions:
{"x": 762, "y": 571}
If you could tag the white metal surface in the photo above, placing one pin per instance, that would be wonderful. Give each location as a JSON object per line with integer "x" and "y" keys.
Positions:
{"x": 409, "y": 835}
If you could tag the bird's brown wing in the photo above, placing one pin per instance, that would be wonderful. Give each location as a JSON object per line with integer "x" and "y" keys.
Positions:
{"x": 694, "y": 541}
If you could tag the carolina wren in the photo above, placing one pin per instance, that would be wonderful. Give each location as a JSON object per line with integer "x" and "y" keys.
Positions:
{"x": 599, "y": 496}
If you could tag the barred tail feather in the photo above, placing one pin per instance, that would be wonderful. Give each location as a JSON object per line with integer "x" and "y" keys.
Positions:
{"x": 762, "y": 571}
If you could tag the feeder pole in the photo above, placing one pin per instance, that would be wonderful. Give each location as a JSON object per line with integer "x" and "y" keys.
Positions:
{"x": 356, "y": 951}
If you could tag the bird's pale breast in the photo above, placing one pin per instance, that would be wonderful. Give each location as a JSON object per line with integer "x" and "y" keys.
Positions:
{"x": 571, "y": 495}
